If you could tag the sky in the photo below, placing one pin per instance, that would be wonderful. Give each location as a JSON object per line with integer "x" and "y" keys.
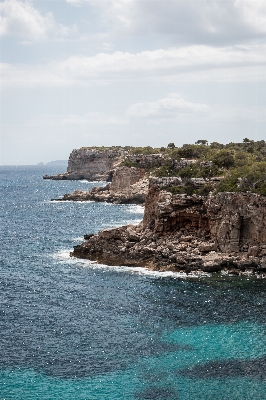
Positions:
{"x": 78, "y": 73}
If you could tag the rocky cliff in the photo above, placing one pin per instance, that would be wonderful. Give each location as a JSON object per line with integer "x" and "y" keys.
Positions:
{"x": 91, "y": 164}
{"x": 237, "y": 221}
{"x": 99, "y": 164}
{"x": 188, "y": 233}
{"x": 128, "y": 186}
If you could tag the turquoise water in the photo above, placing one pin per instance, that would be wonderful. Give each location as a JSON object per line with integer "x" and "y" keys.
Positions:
{"x": 71, "y": 329}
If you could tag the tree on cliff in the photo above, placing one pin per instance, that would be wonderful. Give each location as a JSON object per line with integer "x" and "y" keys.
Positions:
{"x": 171, "y": 145}
{"x": 224, "y": 159}
{"x": 203, "y": 142}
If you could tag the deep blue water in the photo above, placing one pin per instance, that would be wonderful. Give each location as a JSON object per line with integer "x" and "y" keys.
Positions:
{"x": 71, "y": 329}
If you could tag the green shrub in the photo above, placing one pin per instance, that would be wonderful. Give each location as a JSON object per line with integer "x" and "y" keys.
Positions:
{"x": 189, "y": 189}
{"x": 205, "y": 190}
{"x": 216, "y": 145}
{"x": 193, "y": 151}
{"x": 248, "y": 178}
{"x": 186, "y": 189}
{"x": 165, "y": 170}
{"x": 127, "y": 163}
{"x": 254, "y": 179}
{"x": 144, "y": 150}
{"x": 224, "y": 159}
{"x": 174, "y": 189}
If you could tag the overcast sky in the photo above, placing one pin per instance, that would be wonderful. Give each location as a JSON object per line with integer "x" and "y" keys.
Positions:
{"x": 129, "y": 72}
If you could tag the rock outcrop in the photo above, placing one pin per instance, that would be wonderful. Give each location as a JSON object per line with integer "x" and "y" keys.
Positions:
{"x": 99, "y": 164}
{"x": 237, "y": 222}
{"x": 211, "y": 233}
{"x": 128, "y": 186}
{"x": 91, "y": 164}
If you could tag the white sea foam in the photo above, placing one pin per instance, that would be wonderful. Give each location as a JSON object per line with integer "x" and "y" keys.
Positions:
{"x": 78, "y": 239}
{"x": 132, "y": 222}
{"x": 145, "y": 271}
{"x": 64, "y": 256}
{"x": 122, "y": 223}
{"x": 98, "y": 182}
{"x": 68, "y": 201}
{"x": 136, "y": 209}
{"x": 79, "y": 201}
{"x": 52, "y": 201}
{"x": 167, "y": 274}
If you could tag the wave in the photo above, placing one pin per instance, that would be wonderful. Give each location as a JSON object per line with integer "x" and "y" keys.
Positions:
{"x": 64, "y": 255}
{"x": 136, "y": 209}
{"x": 68, "y": 201}
{"x": 98, "y": 182}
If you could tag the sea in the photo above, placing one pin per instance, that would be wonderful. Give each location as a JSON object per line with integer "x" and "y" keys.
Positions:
{"x": 72, "y": 329}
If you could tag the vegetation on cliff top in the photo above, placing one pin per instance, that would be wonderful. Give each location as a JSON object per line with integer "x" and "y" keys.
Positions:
{"x": 241, "y": 166}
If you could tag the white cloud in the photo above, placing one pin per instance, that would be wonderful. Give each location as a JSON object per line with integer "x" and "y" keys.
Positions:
{"x": 191, "y": 63}
{"x": 169, "y": 107}
{"x": 74, "y": 2}
{"x": 20, "y": 18}
{"x": 175, "y": 107}
{"x": 209, "y": 21}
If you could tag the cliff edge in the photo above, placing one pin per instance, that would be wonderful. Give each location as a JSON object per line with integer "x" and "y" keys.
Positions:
{"x": 91, "y": 164}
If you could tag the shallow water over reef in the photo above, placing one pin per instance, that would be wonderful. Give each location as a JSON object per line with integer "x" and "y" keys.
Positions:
{"x": 72, "y": 329}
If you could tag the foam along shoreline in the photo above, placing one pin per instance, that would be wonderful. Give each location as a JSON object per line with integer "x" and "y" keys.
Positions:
{"x": 64, "y": 255}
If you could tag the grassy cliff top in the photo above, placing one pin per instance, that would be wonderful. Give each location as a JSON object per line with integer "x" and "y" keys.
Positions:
{"x": 242, "y": 166}
{"x": 201, "y": 150}
{"x": 129, "y": 149}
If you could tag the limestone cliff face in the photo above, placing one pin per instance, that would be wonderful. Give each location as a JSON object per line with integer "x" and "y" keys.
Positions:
{"x": 165, "y": 213}
{"x": 188, "y": 233}
{"x": 124, "y": 177}
{"x": 128, "y": 186}
{"x": 94, "y": 164}
{"x": 99, "y": 165}
{"x": 91, "y": 164}
{"x": 237, "y": 222}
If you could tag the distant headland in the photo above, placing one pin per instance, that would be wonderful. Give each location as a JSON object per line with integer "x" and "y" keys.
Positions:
{"x": 56, "y": 162}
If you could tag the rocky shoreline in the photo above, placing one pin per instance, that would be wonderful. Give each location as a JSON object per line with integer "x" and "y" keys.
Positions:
{"x": 205, "y": 231}
{"x": 128, "y": 186}
{"x": 134, "y": 195}
{"x": 180, "y": 233}
{"x": 133, "y": 246}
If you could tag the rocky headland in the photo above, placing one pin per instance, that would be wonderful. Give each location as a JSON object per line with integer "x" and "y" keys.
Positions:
{"x": 91, "y": 164}
{"x": 128, "y": 186}
{"x": 204, "y": 205}
{"x": 226, "y": 231}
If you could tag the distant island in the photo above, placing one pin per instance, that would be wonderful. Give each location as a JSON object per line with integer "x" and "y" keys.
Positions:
{"x": 205, "y": 205}
{"x": 56, "y": 162}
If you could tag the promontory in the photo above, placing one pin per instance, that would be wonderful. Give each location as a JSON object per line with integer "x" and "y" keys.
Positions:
{"x": 205, "y": 206}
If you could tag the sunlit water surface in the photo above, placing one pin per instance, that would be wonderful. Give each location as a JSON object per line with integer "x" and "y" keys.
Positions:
{"x": 72, "y": 329}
